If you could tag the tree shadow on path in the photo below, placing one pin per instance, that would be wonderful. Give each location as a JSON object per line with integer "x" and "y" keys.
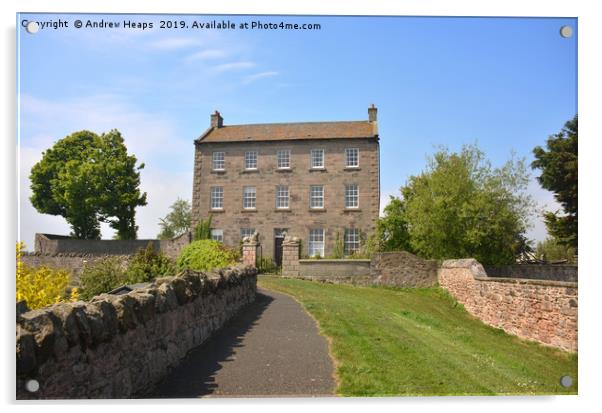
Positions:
{"x": 195, "y": 375}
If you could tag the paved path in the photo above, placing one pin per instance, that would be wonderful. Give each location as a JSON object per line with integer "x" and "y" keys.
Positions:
{"x": 272, "y": 348}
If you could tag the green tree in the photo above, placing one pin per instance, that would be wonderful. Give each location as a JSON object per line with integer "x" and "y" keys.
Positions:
{"x": 559, "y": 170}
{"x": 203, "y": 229}
{"x": 552, "y": 250}
{"x": 177, "y": 221}
{"x": 63, "y": 183}
{"x": 392, "y": 228}
{"x": 87, "y": 178}
{"x": 118, "y": 190}
{"x": 462, "y": 207}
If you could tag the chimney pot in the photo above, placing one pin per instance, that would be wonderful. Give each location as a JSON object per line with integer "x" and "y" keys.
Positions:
{"x": 372, "y": 113}
{"x": 216, "y": 120}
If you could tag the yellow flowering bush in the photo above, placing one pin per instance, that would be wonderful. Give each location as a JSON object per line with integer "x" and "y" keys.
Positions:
{"x": 42, "y": 286}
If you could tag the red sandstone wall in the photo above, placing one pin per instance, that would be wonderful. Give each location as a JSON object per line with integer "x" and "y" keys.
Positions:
{"x": 545, "y": 311}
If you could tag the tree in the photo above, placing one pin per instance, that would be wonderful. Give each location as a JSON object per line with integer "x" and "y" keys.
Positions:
{"x": 462, "y": 207}
{"x": 392, "y": 228}
{"x": 552, "y": 250}
{"x": 559, "y": 168}
{"x": 177, "y": 221}
{"x": 118, "y": 192}
{"x": 203, "y": 229}
{"x": 87, "y": 178}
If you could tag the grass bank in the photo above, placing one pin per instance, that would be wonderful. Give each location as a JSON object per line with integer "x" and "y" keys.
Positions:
{"x": 389, "y": 342}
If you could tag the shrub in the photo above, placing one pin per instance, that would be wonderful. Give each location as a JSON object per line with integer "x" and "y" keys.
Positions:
{"x": 552, "y": 250}
{"x": 204, "y": 255}
{"x": 102, "y": 277}
{"x": 338, "y": 250}
{"x": 267, "y": 265}
{"x": 203, "y": 229}
{"x": 148, "y": 264}
{"x": 42, "y": 286}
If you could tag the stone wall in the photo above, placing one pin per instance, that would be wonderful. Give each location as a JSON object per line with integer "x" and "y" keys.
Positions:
{"x": 551, "y": 272}
{"x": 74, "y": 263}
{"x": 402, "y": 269}
{"x": 398, "y": 269}
{"x": 49, "y": 244}
{"x": 122, "y": 346}
{"x": 544, "y": 311}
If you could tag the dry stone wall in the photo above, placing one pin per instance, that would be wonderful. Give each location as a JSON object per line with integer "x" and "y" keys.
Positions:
{"x": 540, "y": 310}
{"x": 122, "y": 346}
{"x": 402, "y": 269}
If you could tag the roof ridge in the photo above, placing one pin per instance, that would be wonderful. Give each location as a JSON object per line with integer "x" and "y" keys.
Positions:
{"x": 296, "y": 123}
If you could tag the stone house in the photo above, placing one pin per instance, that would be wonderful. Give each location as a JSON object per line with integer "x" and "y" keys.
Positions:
{"x": 318, "y": 181}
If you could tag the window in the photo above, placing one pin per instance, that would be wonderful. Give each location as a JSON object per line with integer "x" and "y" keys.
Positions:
{"x": 352, "y": 240}
{"x": 284, "y": 158}
{"x": 246, "y": 232}
{"x": 217, "y": 235}
{"x": 316, "y": 242}
{"x": 352, "y": 158}
{"x": 249, "y": 195}
{"x": 317, "y": 158}
{"x": 316, "y": 196}
{"x": 219, "y": 161}
{"x": 217, "y": 197}
{"x": 282, "y": 196}
{"x": 251, "y": 160}
{"x": 351, "y": 196}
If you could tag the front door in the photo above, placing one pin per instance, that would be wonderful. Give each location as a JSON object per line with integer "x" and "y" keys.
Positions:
{"x": 278, "y": 239}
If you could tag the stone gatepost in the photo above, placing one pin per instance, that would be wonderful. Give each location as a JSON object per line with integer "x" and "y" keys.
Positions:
{"x": 290, "y": 257}
{"x": 250, "y": 245}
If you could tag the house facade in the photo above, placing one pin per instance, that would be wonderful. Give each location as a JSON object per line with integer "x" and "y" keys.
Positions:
{"x": 318, "y": 181}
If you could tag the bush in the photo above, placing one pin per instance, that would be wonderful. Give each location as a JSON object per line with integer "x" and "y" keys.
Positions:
{"x": 148, "y": 264}
{"x": 267, "y": 265}
{"x": 42, "y": 286}
{"x": 552, "y": 250}
{"x": 102, "y": 277}
{"x": 205, "y": 255}
{"x": 203, "y": 229}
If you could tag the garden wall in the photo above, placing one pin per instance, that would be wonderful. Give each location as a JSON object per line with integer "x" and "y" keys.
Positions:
{"x": 122, "y": 346}
{"x": 337, "y": 271}
{"x": 551, "y": 272}
{"x": 402, "y": 269}
{"x": 541, "y": 310}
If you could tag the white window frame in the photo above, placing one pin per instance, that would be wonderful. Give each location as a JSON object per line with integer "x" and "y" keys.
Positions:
{"x": 315, "y": 246}
{"x": 251, "y": 160}
{"x": 246, "y": 232}
{"x": 281, "y": 155}
{"x": 217, "y": 234}
{"x": 219, "y": 161}
{"x": 348, "y": 153}
{"x": 248, "y": 201}
{"x": 282, "y": 197}
{"x": 217, "y": 197}
{"x": 352, "y": 241}
{"x": 352, "y": 196}
{"x": 316, "y": 196}
{"x": 313, "y": 158}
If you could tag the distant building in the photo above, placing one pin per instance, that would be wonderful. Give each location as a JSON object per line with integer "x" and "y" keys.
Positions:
{"x": 313, "y": 180}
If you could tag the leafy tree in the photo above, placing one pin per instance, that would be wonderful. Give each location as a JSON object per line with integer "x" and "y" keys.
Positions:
{"x": 559, "y": 168}
{"x": 392, "y": 228}
{"x": 87, "y": 178}
{"x": 62, "y": 183}
{"x": 462, "y": 207}
{"x": 177, "y": 221}
{"x": 552, "y": 250}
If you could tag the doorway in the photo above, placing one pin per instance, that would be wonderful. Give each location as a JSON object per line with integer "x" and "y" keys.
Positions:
{"x": 278, "y": 240}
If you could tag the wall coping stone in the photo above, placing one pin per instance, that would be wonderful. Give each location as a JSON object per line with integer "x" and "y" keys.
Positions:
{"x": 331, "y": 260}
{"x": 528, "y": 281}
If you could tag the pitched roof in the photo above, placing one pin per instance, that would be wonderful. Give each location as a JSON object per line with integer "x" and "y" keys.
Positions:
{"x": 290, "y": 131}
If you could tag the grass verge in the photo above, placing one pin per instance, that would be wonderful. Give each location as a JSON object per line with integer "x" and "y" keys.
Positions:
{"x": 390, "y": 342}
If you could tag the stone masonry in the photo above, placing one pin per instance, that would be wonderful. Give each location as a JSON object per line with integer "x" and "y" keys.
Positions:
{"x": 122, "y": 346}
{"x": 540, "y": 310}
{"x": 333, "y": 137}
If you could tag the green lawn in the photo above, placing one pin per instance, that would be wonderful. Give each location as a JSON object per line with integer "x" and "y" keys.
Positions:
{"x": 390, "y": 342}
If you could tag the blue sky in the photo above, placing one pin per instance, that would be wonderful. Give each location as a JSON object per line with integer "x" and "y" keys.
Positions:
{"x": 505, "y": 83}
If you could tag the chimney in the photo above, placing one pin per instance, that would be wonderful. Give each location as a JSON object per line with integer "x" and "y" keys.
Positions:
{"x": 216, "y": 120}
{"x": 372, "y": 113}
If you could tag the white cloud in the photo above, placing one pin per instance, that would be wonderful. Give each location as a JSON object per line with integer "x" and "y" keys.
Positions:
{"x": 233, "y": 66}
{"x": 152, "y": 137}
{"x": 206, "y": 55}
{"x": 257, "y": 76}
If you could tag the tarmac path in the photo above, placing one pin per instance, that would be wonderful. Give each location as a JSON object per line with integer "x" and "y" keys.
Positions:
{"x": 271, "y": 348}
